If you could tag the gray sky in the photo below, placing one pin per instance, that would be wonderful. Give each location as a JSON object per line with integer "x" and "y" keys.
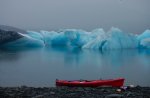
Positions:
{"x": 129, "y": 15}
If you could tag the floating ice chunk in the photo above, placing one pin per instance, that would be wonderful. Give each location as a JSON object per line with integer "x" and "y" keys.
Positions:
{"x": 25, "y": 41}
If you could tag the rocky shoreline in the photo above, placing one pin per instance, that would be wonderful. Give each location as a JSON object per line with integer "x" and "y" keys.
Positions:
{"x": 74, "y": 92}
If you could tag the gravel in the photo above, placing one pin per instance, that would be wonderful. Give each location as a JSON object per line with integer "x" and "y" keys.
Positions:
{"x": 74, "y": 92}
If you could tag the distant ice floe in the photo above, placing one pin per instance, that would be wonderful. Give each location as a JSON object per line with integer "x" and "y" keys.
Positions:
{"x": 96, "y": 39}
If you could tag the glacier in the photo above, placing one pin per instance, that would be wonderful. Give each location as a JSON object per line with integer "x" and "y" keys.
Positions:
{"x": 96, "y": 39}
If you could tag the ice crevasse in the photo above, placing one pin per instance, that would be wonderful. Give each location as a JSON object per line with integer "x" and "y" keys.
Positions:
{"x": 96, "y": 39}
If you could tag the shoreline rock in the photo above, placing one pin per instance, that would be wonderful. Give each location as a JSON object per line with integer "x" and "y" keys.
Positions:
{"x": 74, "y": 92}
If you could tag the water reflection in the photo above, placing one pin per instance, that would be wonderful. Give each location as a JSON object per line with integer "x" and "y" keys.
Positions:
{"x": 40, "y": 67}
{"x": 13, "y": 54}
{"x": 112, "y": 57}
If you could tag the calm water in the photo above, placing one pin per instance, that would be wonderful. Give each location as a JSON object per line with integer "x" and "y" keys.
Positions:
{"x": 40, "y": 67}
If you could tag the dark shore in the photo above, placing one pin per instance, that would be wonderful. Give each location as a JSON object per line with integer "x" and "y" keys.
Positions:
{"x": 74, "y": 92}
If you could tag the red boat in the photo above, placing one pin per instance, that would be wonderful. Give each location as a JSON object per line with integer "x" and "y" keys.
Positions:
{"x": 93, "y": 83}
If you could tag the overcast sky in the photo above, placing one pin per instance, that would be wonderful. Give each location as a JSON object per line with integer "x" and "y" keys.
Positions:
{"x": 129, "y": 15}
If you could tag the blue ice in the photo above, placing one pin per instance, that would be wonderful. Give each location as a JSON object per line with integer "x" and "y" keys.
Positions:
{"x": 96, "y": 39}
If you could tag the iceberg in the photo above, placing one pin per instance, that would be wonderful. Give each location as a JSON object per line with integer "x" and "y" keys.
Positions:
{"x": 96, "y": 39}
{"x": 25, "y": 41}
{"x": 119, "y": 40}
{"x": 114, "y": 39}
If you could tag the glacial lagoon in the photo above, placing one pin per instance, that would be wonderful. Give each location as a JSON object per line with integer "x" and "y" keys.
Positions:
{"x": 41, "y": 66}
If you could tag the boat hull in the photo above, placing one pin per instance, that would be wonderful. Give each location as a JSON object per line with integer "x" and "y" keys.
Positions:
{"x": 94, "y": 83}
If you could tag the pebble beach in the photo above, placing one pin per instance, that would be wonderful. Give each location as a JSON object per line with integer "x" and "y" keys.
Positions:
{"x": 74, "y": 92}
